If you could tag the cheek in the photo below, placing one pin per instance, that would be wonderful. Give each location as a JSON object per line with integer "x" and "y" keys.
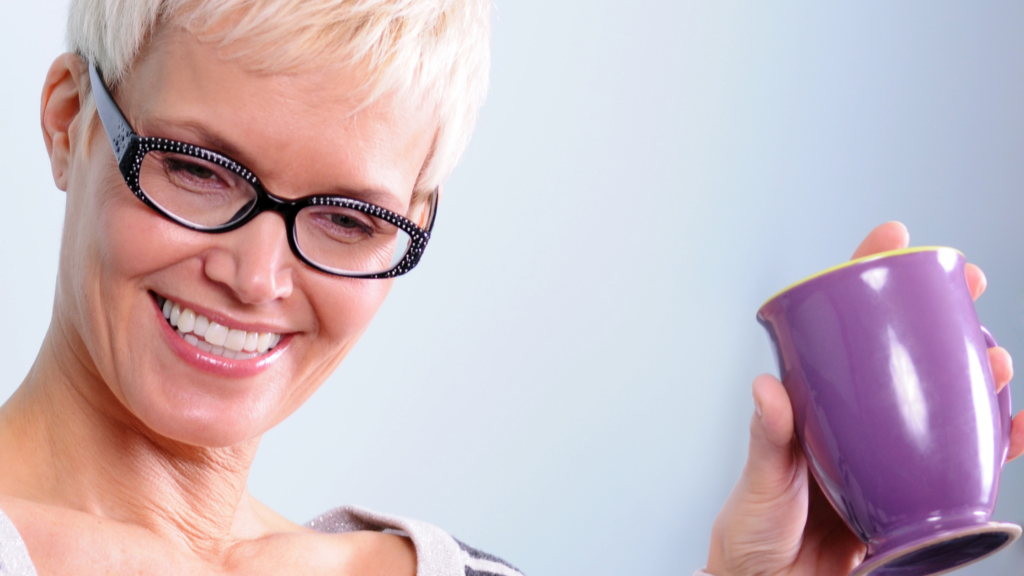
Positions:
{"x": 351, "y": 305}
{"x": 135, "y": 241}
{"x": 344, "y": 309}
{"x": 112, "y": 241}
{"x": 112, "y": 234}
{"x": 132, "y": 244}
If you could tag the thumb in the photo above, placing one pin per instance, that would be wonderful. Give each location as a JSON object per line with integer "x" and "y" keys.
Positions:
{"x": 772, "y": 460}
{"x": 760, "y": 528}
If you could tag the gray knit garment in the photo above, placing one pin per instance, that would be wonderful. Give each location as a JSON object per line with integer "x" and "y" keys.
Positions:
{"x": 14, "y": 560}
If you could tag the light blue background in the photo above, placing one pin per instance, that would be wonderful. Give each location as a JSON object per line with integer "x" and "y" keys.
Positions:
{"x": 565, "y": 379}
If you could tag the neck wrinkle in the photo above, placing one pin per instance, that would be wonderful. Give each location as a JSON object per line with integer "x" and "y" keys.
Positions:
{"x": 83, "y": 450}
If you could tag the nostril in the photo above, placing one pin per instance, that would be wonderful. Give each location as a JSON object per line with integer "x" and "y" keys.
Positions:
{"x": 255, "y": 289}
{"x": 254, "y": 261}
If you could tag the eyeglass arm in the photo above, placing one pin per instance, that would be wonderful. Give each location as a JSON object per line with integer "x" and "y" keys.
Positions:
{"x": 117, "y": 128}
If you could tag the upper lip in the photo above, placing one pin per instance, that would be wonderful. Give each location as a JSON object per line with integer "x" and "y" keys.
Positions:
{"x": 225, "y": 320}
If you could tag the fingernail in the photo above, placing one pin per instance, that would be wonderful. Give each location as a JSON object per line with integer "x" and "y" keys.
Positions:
{"x": 757, "y": 408}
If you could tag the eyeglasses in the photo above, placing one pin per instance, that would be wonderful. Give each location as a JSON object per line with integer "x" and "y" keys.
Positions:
{"x": 206, "y": 191}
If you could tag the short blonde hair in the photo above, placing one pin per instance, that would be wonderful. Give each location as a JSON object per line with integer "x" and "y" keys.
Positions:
{"x": 439, "y": 49}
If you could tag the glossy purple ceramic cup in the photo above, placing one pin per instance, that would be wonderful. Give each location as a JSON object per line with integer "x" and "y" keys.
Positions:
{"x": 895, "y": 407}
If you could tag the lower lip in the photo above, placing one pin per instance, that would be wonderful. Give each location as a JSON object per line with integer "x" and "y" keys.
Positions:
{"x": 213, "y": 363}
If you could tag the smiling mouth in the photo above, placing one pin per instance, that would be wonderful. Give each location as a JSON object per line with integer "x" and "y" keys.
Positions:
{"x": 209, "y": 336}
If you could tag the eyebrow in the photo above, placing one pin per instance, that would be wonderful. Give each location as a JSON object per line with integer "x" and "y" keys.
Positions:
{"x": 202, "y": 136}
{"x": 199, "y": 135}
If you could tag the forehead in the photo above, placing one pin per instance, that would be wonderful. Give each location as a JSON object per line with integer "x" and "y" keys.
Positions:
{"x": 303, "y": 133}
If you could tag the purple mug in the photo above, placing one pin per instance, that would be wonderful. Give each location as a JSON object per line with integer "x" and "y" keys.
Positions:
{"x": 895, "y": 407}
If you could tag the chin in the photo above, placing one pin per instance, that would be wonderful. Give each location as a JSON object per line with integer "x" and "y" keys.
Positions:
{"x": 206, "y": 412}
{"x": 204, "y": 425}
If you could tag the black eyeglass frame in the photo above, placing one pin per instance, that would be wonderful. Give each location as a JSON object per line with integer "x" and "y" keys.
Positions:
{"x": 130, "y": 148}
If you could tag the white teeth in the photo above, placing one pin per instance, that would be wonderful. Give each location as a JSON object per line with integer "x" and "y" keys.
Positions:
{"x": 251, "y": 339}
{"x": 187, "y": 321}
{"x": 212, "y": 337}
{"x": 202, "y": 325}
{"x": 263, "y": 342}
{"x": 217, "y": 334}
{"x": 235, "y": 340}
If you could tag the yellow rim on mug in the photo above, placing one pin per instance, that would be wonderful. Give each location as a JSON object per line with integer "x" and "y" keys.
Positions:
{"x": 878, "y": 256}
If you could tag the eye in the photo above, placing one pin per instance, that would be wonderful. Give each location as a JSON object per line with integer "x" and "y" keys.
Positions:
{"x": 340, "y": 224}
{"x": 190, "y": 169}
{"x": 347, "y": 221}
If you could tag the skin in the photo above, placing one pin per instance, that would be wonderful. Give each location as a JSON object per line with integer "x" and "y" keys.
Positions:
{"x": 130, "y": 459}
{"x": 777, "y": 521}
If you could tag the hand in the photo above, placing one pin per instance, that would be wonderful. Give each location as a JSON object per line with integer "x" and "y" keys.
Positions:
{"x": 777, "y": 521}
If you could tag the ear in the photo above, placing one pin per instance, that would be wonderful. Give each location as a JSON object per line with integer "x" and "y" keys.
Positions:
{"x": 61, "y": 105}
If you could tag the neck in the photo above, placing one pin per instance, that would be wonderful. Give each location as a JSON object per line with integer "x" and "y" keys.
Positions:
{"x": 79, "y": 448}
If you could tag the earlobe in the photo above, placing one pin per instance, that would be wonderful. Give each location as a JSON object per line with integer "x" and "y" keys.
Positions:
{"x": 60, "y": 106}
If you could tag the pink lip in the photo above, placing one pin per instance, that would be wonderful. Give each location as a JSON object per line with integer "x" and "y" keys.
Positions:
{"x": 212, "y": 363}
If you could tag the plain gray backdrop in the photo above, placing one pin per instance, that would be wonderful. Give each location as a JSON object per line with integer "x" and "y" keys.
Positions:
{"x": 565, "y": 379}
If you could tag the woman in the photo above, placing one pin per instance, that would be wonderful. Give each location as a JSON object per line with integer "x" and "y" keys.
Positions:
{"x": 244, "y": 179}
{"x": 134, "y": 432}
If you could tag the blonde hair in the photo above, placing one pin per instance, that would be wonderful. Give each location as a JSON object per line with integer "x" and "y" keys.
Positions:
{"x": 439, "y": 49}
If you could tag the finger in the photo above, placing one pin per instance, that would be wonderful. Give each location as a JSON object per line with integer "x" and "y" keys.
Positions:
{"x": 888, "y": 236}
{"x": 1002, "y": 366}
{"x": 1016, "y": 437}
{"x": 976, "y": 280}
{"x": 826, "y": 527}
{"x": 775, "y": 413}
{"x": 771, "y": 459}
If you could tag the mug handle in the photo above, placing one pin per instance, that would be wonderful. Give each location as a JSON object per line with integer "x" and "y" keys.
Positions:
{"x": 1005, "y": 404}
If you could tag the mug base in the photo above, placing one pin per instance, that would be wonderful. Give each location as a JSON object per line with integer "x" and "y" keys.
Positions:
{"x": 941, "y": 553}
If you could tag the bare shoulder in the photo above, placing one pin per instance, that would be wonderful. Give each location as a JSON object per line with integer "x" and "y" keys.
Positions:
{"x": 38, "y": 521}
{"x": 308, "y": 552}
{"x": 62, "y": 540}
{"x": 377, "y": 554}
{"x": 362, "y": 552}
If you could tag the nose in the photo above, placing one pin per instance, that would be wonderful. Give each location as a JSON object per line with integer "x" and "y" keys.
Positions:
{"x": 254, "y": 261}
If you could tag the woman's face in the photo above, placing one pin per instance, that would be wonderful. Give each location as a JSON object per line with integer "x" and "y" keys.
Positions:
{"x": 301, "y": 134}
